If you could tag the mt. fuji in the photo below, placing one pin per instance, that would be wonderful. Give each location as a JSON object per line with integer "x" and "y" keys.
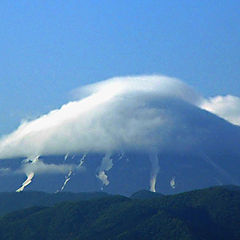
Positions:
{"x": 125, "y": 134}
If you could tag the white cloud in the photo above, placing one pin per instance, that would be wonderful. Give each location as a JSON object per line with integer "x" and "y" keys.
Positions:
{"x": 37, "y": 166}
{"x": 227, "y": 107}
{"x": 40, "y": 167}
{"x": 120, "y": 113}
{"x": 145, "y": 113}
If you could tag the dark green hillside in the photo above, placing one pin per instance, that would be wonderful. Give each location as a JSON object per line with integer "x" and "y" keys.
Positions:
{"x": 212, "y": 213}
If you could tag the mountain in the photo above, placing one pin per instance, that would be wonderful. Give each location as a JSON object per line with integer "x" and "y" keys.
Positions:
{"x": 145, "y": 194}
{"x": 11, "y": 201}
{"x": 153, "y": 136}
{"x": 212, "y": 157}
{"x": 208, "y": 214}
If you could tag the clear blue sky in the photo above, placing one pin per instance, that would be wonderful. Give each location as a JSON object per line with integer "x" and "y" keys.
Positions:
{"x": 48, "y": 48}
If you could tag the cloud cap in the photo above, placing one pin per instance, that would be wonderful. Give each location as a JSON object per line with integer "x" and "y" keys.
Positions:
{"x": 143, "y": 113}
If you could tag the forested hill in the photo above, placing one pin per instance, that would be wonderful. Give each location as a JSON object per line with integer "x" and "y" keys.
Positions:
{"x": 211, "y": 213}
{"x": 11, "y": 201}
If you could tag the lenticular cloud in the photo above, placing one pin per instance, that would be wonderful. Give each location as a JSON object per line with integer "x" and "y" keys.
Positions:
{"x": 141, "y": 113}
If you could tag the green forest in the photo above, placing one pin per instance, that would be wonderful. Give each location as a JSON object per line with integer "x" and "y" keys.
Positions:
{"x": 212, "y": 213}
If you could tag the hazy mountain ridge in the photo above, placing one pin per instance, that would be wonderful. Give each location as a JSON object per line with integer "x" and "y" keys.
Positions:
{"x": 211, "y": 213}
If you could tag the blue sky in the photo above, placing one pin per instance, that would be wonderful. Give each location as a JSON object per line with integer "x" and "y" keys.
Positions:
{"x": 50, "y": 47}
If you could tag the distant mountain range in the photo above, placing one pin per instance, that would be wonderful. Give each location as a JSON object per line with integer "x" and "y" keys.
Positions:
{"x": 211, "y": 213}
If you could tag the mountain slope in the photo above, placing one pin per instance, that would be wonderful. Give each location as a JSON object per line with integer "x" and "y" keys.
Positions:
{"x": 152, "y": 135}
{"x": 145, "y": 194}
{"x": 11, "y": 201}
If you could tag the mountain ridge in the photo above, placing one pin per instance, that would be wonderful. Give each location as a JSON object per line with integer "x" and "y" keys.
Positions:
{"x": 211, "y": 213}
